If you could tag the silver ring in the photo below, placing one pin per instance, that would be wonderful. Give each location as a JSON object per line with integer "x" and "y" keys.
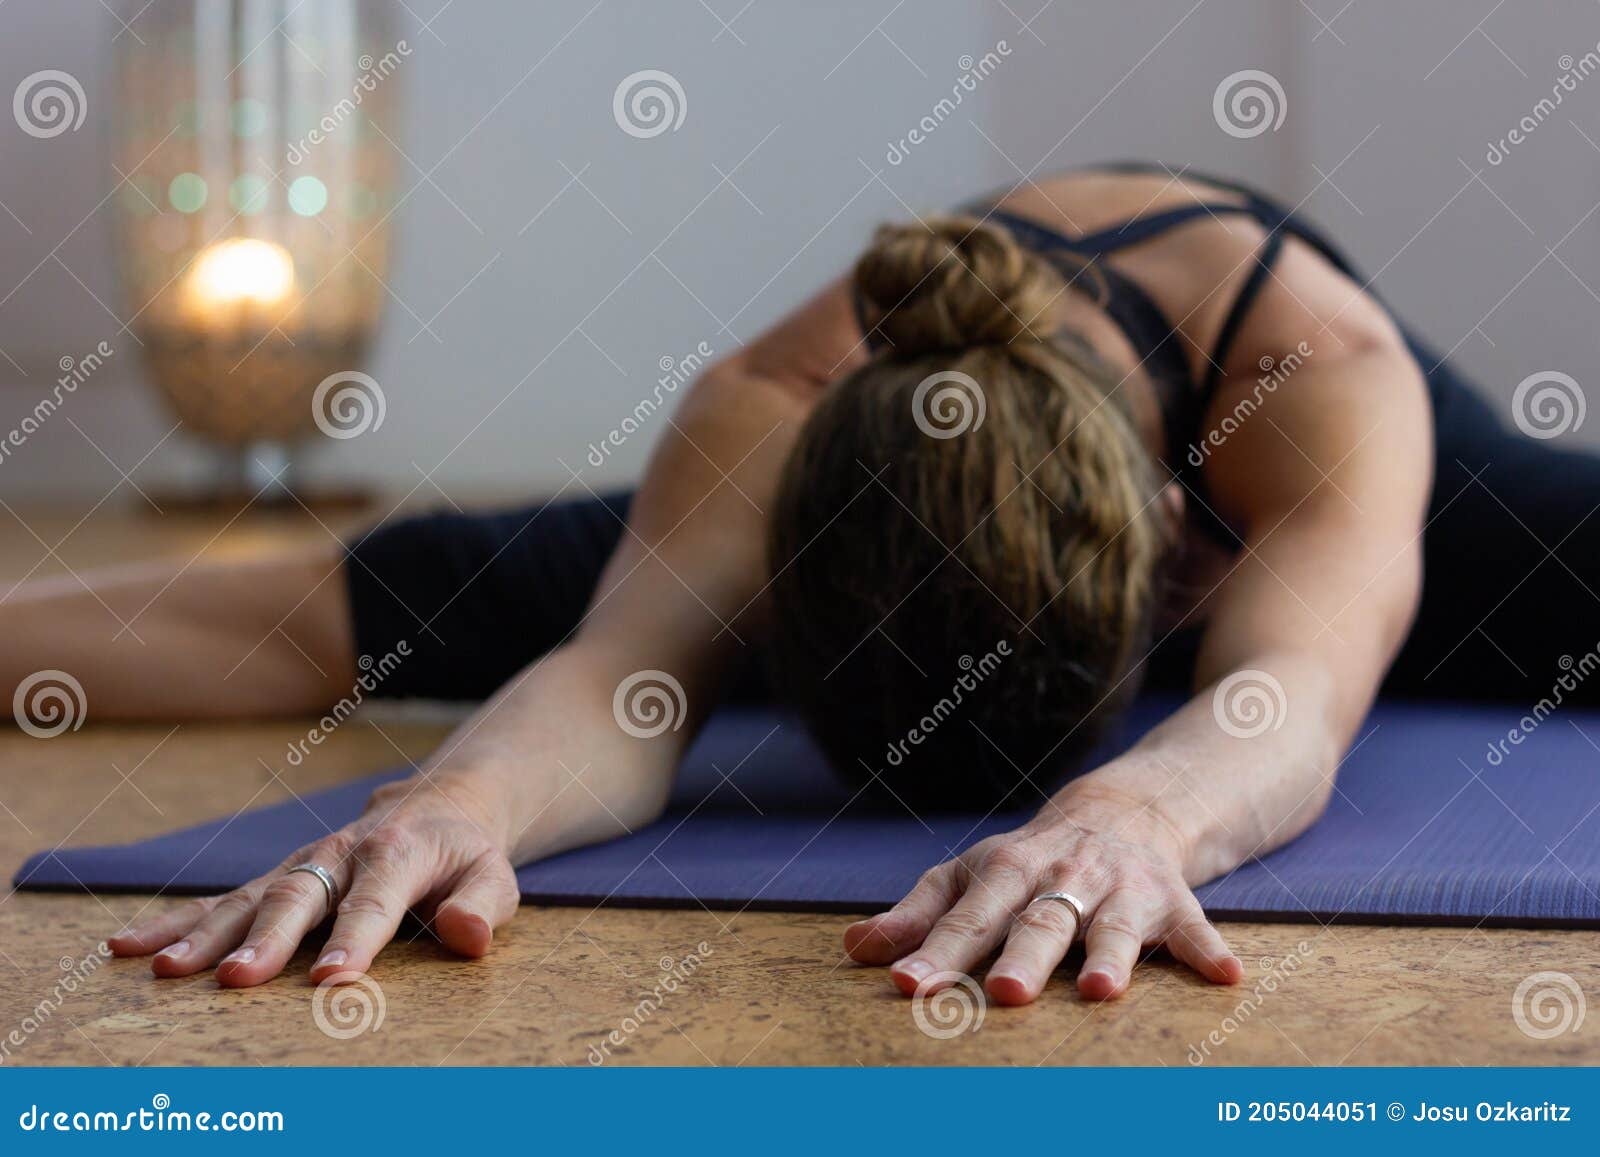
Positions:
{"x": 325, "y": 877}
{"x": 1066, "y": 898}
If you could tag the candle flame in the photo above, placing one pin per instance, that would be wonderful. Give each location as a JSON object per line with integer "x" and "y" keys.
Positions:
{"x": 239, "y": 271}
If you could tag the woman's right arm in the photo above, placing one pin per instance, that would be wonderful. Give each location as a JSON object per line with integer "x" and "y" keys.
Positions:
{"x": 680, "y": 597}
{"x": 678, "y": 604}
{"x": 545, "y": 765}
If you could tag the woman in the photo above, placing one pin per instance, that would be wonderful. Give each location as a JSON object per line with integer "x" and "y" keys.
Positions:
{"x": 1119, "y": 427}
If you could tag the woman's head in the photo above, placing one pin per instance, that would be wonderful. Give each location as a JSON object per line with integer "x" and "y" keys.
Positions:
{"x": 965, "y": 547}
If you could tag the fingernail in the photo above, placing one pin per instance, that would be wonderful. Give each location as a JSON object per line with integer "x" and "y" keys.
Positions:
{"x": 331, "y": 959}
{"x": 243, "y": 956}
{"x": 916, "y": 969}
{"x": 173, "y": 951}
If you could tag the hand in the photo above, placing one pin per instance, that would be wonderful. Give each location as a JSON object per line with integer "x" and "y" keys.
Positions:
{"x": 429, "y": 847}
{"x": 1130, "y": 884}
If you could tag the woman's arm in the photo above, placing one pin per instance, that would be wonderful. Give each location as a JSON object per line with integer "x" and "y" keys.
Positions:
{"x": 681, "y": 596}
{"x": 677, "y": 607}
{"x": 546, "y": 765}
{"x": 1328, "y": 479}
{"x": 1305, "y": 625}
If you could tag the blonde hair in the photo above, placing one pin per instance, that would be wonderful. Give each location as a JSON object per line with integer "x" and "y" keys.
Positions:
{"x": 975, "y": 481}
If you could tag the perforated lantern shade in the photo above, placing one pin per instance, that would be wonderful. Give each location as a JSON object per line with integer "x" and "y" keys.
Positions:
{"x": 254, "y": 237}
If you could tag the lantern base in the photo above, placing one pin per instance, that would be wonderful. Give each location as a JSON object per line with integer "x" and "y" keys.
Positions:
{"x": 262, "y": 476}
{"x": 228, "y": 503}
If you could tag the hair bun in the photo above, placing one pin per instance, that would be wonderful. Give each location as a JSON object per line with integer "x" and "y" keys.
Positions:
{"x": 950, "y": 283}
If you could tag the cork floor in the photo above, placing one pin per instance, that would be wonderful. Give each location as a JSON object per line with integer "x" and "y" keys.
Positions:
{"x": 563, "y": 986}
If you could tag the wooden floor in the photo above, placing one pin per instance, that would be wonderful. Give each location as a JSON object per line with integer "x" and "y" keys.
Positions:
{"x": 770, "y": 988}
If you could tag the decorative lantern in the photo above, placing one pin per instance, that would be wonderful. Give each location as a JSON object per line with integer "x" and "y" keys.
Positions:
{"x": 253, "y": 239}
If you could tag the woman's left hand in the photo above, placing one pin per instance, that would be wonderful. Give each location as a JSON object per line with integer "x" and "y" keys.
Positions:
{"x": 1123, "y": 868}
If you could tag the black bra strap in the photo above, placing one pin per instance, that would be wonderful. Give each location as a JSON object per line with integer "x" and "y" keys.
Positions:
{"x": 1266, "y": 256}
{"x": 1035, "y": 235}
{"x": 1028, "y": 232}
{"x": 1139, "y": 229}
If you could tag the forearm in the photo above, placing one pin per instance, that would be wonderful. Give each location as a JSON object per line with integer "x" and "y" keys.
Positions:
{"x": 547, "y": 758}
{"x": 1249, "y": 762}
{"x": 1209, "y": 789}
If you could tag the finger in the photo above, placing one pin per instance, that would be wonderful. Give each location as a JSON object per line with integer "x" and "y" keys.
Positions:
{"x": 968, "y": 932}
{"x": 389, "y": 878}
{"x": 1112, "y": 943}
{"x": 291, "y": 905}
{"x": 890, "y": 935}
{"x": 218, "y": 932}
{"x": 1036, "y": 944}
{"x": 486, "y": 898}
{"x": 1196, "y": 941}
{"x": 158, "y": 931}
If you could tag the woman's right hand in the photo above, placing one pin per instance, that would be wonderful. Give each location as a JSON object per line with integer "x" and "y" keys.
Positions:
{"x": 433, "y": 845}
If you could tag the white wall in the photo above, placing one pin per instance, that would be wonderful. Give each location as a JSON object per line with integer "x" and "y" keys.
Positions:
{"x": 817, "y": 90}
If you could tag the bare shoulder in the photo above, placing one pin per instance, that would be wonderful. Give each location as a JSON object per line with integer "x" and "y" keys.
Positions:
{"x": 1319, "y": 394}
{"x": 813, "y": 345}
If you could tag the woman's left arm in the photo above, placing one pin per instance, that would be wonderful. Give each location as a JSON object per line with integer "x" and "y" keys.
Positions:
{"x": 1327, "y": 475}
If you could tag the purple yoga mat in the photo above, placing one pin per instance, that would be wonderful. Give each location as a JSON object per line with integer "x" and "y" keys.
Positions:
{"x": 1423, "y": 829}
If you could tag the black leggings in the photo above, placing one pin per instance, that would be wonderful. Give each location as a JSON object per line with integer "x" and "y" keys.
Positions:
{"x": 1511, "y": 590}
{"x": 1511, "y": 596}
